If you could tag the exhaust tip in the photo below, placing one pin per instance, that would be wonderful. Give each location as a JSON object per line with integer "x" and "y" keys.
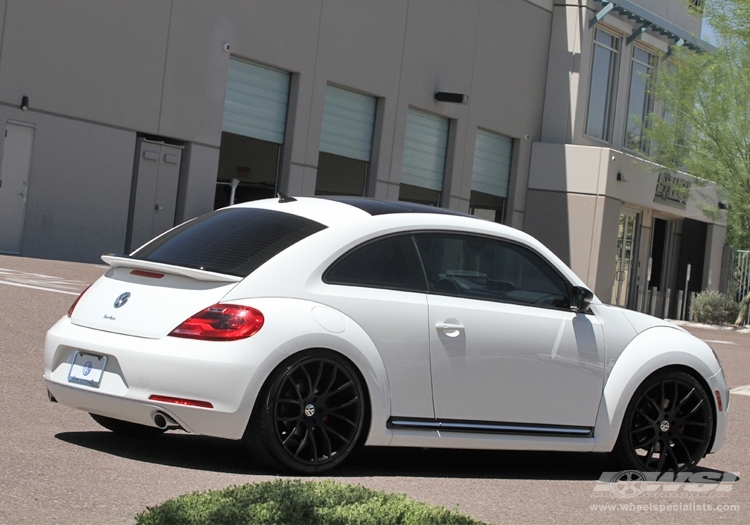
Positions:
{"x": 165, "y": 422}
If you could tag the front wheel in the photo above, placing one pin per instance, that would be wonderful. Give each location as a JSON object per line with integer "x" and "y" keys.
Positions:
{"x": 667, "y": 426}
{"x": 311, "y": 414}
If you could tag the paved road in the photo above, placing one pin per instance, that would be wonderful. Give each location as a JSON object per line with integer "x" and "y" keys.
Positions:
{"x": 58, "y": 466}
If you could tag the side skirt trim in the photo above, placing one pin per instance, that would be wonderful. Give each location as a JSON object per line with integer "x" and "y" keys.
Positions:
{"x": 488, "y": 427}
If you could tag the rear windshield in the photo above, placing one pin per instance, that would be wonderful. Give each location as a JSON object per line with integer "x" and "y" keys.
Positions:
{"x": 233, "y": 241}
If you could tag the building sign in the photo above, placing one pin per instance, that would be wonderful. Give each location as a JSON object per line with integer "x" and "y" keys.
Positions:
{"x": 672, "y": 190}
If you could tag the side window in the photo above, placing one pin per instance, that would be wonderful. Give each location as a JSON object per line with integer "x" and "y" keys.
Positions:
{"x": 390, "y": 263}
{"x": 484, "y": 268}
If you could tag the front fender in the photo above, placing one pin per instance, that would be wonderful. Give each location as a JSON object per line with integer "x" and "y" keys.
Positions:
{"x": 295, "y": 325}
{"x": 653, "y": 349}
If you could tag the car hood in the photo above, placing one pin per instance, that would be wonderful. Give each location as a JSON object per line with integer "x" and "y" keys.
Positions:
{"x": 641, "y": 322}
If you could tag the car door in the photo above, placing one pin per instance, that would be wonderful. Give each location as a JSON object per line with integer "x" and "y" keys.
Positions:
{"x": 381, "y": 286}
{"x": 505, "y": 346}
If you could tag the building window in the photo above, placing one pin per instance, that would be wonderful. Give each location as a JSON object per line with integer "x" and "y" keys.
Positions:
{"x": 253, "y": 129}
{"x": 425, "y": 149}
{"x": 345, "y": 142}
{"x": 603, "y": 86}
{"x": 490, "y": 175}
{"x": 640, "y": 101}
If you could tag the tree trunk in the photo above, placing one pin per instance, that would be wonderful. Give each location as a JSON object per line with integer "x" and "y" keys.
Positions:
{"x": 742, "y": 318}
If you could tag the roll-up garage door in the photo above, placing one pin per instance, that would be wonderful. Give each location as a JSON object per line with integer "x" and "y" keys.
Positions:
{"x": 256, "y": 101}
{"x": 348, "y": 120}
{"x": 424, "y": 150}
{"x": 492, "y": 155}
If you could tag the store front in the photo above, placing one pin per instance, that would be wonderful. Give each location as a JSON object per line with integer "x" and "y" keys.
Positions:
{"x": 636, "y": 235}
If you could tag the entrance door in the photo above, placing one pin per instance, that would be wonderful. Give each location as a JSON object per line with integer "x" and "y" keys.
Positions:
{"x": 627, "y": 245}
{"x": 14, "y": 182}
{"x": 154, "y": 194}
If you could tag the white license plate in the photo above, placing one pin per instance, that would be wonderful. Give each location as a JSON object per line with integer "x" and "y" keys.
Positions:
{"x": 87, "y": 369}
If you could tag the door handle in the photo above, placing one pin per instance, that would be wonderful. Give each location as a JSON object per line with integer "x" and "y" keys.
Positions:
{"x": 449, "y": 327}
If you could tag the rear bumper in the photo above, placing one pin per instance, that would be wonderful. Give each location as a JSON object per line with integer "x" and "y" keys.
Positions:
{"x": 228, "y": 375}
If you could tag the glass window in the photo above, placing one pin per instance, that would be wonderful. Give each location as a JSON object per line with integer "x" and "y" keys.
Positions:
{"x": 640, "y": 101}
{"x": 484, "y": 268}
{"x": 603, "y": 85}
{"x": 234, "y": 241}
{"x": 385, "y": 263}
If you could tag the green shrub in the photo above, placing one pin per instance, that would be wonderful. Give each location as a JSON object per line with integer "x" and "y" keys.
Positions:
{"x": 711, "y": 307}
{"x": 294, "y": 502}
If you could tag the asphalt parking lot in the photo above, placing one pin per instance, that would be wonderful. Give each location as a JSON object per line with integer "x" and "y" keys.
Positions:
{"x": 58, "y": 466}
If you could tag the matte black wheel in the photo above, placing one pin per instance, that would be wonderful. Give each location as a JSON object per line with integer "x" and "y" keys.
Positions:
{"x": 126, "y": 428}
{"x": 311, "y": 415}
{"x": 667, "y": 426}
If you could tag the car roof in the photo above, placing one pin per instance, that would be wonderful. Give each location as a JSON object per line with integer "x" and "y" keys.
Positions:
{"x": 334, "y": 210}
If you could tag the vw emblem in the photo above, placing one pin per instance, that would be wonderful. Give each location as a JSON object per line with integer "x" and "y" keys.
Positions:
{"x": 87, "y": 368}
{"x": 664, "y": 426}
{"x": 310, "y": 410}
{"x": 122, "y": 299}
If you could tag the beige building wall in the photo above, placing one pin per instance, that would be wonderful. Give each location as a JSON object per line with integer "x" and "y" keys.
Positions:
{"x": 100, "y": 73}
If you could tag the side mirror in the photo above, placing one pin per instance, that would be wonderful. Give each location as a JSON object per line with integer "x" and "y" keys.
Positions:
{"x": 580, "y": 298}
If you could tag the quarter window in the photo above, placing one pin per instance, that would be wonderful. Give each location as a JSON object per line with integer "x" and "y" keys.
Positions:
{"x": 483, "y": 268}
{"x": 390, "y": 263}
{"x": 602, "y": 88}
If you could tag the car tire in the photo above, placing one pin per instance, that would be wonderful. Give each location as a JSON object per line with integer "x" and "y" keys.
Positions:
{"x": 310, "y": 414}
{"x": 667, "y": 426}
{"x": 126, "y": 428}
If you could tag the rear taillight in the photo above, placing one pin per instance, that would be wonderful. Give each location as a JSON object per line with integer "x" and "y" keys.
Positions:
{"x": 73, "y": 306}
{"x": 221, "y": 322}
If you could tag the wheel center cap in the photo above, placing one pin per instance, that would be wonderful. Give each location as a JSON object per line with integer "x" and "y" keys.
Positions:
{"x": 664, "y": 426}
{"x": 310, "y": 411}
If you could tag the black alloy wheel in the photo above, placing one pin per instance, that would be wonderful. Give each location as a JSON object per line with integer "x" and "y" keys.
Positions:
{"x": 667, "y": 426}
{"x": 312, "y": 414}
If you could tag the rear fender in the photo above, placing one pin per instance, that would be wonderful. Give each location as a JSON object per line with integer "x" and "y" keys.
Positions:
{"x": 295, "y": 325}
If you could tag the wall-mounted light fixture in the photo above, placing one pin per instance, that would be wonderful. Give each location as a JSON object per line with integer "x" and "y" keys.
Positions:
{"x": 621, "y": 177}
{"x": 456, "y": 98}
{"x": 723, "y": 205}
{"x": 24, "y": 103}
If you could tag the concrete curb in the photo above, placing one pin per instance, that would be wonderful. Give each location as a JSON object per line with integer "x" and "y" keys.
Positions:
{"x": 721, "y": 327}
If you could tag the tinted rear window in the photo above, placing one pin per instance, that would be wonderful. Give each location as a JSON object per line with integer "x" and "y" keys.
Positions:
{"x": 233, "y": 241}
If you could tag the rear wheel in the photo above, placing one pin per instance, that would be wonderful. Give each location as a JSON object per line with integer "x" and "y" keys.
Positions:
{"x": 667, "y": 426}
{"x": 311, "y": 414}
{"x": 126, "y": 428}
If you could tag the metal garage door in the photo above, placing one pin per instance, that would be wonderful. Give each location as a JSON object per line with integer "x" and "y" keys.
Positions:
{"x": 348, "y": 121}
{"x": 492, "y": 155}
{"x": 424, "y": 150}
{"x": 256, "y": 101}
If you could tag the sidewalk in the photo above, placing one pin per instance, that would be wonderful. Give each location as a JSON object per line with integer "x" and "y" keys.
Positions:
{"x": 722, "y": 327}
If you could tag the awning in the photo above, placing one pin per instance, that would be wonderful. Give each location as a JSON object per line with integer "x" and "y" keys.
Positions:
{"x": 647, "y": 21}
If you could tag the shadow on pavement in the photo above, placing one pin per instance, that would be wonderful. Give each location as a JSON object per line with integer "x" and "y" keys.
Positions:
{"x": 220, "y": 455}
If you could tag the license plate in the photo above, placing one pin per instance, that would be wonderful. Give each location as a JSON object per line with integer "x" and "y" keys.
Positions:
{"x": 87, "y": 369}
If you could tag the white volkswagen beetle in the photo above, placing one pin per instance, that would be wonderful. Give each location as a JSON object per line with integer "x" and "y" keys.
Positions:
{"x": 307, "y": 327}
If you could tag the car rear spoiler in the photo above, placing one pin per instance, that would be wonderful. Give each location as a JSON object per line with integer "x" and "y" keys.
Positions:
{"x": 124, "y": 261}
